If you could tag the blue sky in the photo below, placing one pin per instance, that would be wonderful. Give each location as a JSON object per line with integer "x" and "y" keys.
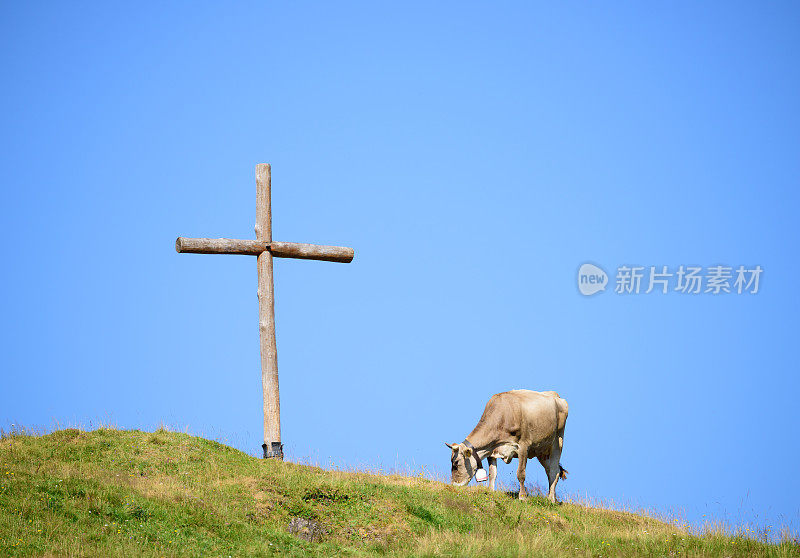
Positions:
{"x": 474, "y": 156}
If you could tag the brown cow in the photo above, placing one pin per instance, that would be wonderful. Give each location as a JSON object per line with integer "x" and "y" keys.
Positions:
{"x": 518, "y": 423}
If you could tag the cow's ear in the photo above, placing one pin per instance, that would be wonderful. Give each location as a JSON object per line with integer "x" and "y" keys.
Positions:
{"x": 453, "y": 447}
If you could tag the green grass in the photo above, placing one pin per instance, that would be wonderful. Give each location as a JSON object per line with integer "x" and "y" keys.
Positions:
{"x": 132, "y": 493}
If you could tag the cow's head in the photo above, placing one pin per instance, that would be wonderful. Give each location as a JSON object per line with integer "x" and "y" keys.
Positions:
{"x": 464, "y": 464}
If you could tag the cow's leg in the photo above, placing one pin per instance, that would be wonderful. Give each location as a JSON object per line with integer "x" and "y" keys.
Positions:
{"x": 492, "y": 471}
{"x": 553, "y": 468}
{"x": 522, "y": 456}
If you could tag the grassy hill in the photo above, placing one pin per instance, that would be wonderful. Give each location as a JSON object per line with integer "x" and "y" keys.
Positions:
{"x": 133, "y": 493}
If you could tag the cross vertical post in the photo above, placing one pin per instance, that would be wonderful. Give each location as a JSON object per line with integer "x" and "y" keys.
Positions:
{"x": 266, "y": 316}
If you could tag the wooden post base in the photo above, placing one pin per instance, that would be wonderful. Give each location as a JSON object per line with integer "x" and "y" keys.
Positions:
{"x": 276, "y": 451}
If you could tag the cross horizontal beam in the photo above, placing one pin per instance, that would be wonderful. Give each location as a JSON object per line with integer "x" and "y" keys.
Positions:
{"x": 295, "y": 250}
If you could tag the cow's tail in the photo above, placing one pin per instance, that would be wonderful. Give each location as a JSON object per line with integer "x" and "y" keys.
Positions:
{"x": 562, "y": 413}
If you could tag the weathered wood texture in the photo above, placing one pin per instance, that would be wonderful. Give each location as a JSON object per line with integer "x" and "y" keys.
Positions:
{"x": 185, "y": 245}
{"x": 266, "y": 311}
{"x": 264, "y": 202}
{"x": 295, "y": 250}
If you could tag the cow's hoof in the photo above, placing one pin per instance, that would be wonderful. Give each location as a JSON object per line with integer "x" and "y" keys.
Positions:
{"x": 523, "y": 496}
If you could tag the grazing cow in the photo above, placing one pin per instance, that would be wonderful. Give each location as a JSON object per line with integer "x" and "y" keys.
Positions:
{"x": 518, "y": 423}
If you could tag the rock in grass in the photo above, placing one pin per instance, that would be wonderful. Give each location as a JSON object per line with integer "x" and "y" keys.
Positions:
{"x": 307, "y": 529}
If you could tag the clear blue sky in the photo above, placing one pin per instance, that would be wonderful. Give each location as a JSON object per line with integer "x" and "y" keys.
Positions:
{"x": 474, "y": 156}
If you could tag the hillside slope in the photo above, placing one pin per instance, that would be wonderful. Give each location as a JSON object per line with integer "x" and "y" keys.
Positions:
{"x": 133, "y": 493}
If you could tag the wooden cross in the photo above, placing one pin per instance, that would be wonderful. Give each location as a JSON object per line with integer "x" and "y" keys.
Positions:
{"x": 265, "y": 248}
